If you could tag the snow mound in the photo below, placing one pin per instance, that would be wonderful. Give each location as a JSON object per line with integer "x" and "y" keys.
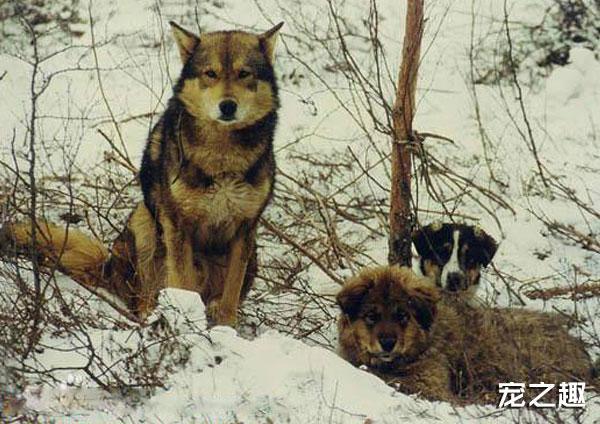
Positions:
{"x": 272, "y": 377}
{"x": 176, "y": 305}
{"x": 221, "y": 377}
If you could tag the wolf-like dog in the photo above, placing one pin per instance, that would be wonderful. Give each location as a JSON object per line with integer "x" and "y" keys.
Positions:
{"x": 207, "y": 174}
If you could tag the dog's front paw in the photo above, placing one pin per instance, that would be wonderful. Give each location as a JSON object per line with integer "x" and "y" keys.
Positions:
{"x": 218, "y": 315}
{"x": 212, "y": 310}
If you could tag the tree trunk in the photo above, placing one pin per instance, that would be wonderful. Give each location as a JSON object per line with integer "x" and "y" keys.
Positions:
{"x": 402, "y": 218}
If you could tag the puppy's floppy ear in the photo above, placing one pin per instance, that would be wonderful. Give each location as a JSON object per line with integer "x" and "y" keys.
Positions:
{"x": 421, "y": 241}
{"x": 185, "y": 40}
{"x": 268, "y": 40}
{"x": 350, "y": 298}
{"x": 487, "y": 246}
{"x": 422, "y": 301}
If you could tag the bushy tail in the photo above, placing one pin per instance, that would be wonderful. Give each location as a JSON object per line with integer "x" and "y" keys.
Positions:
{"x": 68, "y": 250}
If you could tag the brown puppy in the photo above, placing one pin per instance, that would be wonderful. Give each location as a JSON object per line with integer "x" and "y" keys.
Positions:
{"x": 394, "y": 323}
{"x": 391, "y": 323}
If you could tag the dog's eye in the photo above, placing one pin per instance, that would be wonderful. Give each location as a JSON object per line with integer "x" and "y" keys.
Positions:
{"x": 371, "y": 318}
{"x": 211, "y": 74}
{"x": 243, "y": 74}
{"x": 401, "y": 317}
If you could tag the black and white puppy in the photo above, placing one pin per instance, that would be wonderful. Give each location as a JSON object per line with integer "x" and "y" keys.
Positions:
{"x": 453, "y": 254}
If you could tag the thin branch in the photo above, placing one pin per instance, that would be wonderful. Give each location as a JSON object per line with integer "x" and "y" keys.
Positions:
{"x": 513, "y": 69}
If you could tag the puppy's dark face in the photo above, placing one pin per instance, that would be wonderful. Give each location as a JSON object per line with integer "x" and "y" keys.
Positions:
{"x": 389, "y": 314}
{"x": 453, "y": 254}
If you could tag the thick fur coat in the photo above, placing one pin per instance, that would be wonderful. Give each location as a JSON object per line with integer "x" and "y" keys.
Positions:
{"x": 403, "y": 329}
{"x": 207, "y": 174}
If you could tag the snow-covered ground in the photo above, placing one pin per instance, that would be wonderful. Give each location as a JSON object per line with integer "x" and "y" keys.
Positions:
{"x": 215, "y": 375}
{"x": 228, "y": 379}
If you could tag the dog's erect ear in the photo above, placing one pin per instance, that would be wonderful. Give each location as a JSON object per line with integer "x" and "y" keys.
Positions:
{"x": 185, "y": 40}
{"x": 486, "y": 246}
{"x": 268, "y": 40}
{"x": 351, "y": 296}
{"x": 423, "y": 302}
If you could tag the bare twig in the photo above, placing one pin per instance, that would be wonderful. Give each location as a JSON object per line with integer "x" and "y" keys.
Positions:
{"x": 513, "y": 70}
{"x": 123, "y": 151}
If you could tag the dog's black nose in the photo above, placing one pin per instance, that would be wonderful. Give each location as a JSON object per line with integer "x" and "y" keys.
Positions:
{"x": 454, "y": 281}
{"x": 228, "y": 108}
{"x": 387, "y": 342}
